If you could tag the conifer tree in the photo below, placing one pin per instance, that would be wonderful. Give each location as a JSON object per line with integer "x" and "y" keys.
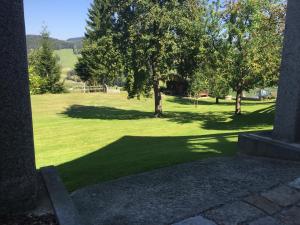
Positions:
{"x": 45, "y": 64}
{"x": 100, "y": 61}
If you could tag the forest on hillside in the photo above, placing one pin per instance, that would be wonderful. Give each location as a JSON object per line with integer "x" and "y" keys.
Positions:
{"x": 33, "y": 42}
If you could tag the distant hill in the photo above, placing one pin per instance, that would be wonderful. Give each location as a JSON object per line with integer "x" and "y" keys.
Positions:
{"x": 33, "y": 42}
{"x": 76, "y": 41}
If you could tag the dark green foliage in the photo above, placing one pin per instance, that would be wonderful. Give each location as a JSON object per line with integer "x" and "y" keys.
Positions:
{"x": 33, "y": 42}
{"x": 44, "y": 68}
{"x": 77, "y": 44}
{"x": 100, "y": 61}
{"x": 253, "y": 44}
{"x": 148, "y": 31}
{"x": 215, "y": 46}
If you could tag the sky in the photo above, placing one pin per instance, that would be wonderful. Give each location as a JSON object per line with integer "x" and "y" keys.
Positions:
{"x": 64, "y": 18}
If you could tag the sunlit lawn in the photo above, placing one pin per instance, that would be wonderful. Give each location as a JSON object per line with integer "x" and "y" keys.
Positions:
{"x": 97, "y": 137}
{"x": 67, "y": 58}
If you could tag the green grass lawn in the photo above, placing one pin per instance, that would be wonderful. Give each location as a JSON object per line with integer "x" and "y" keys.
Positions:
{"x": 67, "y": 58}
{"x": 67, "y": 61}
{"x": 97, "y": 137}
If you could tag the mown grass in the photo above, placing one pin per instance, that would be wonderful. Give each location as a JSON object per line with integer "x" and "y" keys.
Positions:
{"x": 92, "y": 138}
{"x": 67, "y": 58}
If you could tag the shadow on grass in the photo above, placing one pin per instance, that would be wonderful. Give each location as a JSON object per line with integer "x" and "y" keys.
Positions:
{"x": 105, "y": 113}
{"x": 210, "y": 120}
{"x": 225, "y": 120}
{"x": 186, "y": 101}
{"x": 134, "y": 154}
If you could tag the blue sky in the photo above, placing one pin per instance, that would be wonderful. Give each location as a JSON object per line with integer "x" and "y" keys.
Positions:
{"x": 64, "y": 18}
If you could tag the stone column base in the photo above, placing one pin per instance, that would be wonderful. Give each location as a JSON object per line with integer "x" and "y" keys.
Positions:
{"x": 18, "y": 195}
{"x": 262, "y": 144}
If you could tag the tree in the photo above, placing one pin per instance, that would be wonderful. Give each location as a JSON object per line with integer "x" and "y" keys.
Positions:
{"x": 45, "y": 64}
{"x": 198, "y": 82}
{"x": 250, "y": 41}
{"x": 214, "y": 53}
{"x": 267, "y": 48}
{"x": 35, "y": 81}
{"x": 100, "y": 61}
{"x": 210, "y": 74}
{"x": 149, "y": 28}
{"x": 190, "y": 36}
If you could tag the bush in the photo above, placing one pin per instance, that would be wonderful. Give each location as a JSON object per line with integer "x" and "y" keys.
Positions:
{"x": 36, "y": 82}
{"x": 71, "y": 75}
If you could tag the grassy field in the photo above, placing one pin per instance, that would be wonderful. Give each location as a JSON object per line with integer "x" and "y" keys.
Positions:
{"x": 67, "y": 58}
{"x": 67, "y": 61}
{"x": 97, "y": 137}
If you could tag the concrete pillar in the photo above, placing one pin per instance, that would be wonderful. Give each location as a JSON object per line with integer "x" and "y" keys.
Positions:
{"x": 17, "y": 163}
{"x": 287, "y": 121}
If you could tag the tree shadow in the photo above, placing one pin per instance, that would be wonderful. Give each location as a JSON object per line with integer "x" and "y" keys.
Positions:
{"x": 262, "y": 117}
{"x": 136, "y": 154}
{"x": 104, "y": 113}
{"x": 211, "y": 120}
{"x": 225, "y": 120}
{"x": 187, "y": 101}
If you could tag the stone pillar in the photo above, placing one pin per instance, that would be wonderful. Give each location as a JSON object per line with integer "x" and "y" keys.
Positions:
{"x": 17, "y": 163}
{"x": 284, "y": 141}
{"x": 287, "y": 121}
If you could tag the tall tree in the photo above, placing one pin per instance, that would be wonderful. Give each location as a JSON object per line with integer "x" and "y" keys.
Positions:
{"x": 100, "y": 61}
{"x": 266, "y": 50}
{"x": 45, "y": 64}
{"x": 250, "y": 38}
{"x": 214, "y": 53}
{"x": 190, "y": 36}
{"x": 210, "y": 74}
{"x": 150, "y": 28}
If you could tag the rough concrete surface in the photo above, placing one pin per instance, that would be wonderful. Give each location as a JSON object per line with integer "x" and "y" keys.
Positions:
{"x": 283, "y": 196}
{"x": 287, "y": 120}
{"x": 18, "y": 184}
{"x": 197, "y": 220}
{"x": 173, "y": 194}
{"x": 266, "y": 221}
{"x": 63, "y": 206}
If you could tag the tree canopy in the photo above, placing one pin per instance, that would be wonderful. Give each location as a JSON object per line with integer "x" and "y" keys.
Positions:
{"x": 44, "y": 69}
{"x": 213, "y": 45}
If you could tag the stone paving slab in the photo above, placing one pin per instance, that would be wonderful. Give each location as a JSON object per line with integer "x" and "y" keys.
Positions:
{"x": 283, "y": 196}
{"x": 262, "y": 203}
{"x": 295, "y": 183}
{"x": 266, "y": 221}
{"x": 198, "y": 220}
{"x": 290, "y": 216}
{"x": 234, "y": 214}
{"x": 173, "y": 194}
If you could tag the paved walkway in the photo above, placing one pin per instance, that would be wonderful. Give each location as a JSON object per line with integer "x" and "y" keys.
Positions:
{"x": 277, "y": 206}
{"x": 240, "y": 190}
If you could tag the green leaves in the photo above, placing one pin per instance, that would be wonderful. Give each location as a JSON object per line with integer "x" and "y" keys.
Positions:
{"x": 44, "y": 68}
{"x": 214, "y": 45}
{"x": 101, "y": 61}
{"x": 254, "y": 42}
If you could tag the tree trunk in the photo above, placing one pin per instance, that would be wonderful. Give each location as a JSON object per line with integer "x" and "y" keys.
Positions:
{"x": 217, "y": 100}
{"x": 158, "y": 99}
{"x": 196, "y": 102}
{"x": 238, "y": 101}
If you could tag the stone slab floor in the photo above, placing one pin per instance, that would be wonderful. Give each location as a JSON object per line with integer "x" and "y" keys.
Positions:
{"x": 229, "y": 191}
